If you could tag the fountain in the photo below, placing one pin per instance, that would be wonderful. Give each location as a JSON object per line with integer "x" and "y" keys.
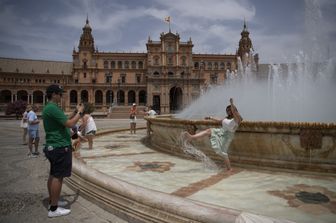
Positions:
{"x": 289, "y": 110}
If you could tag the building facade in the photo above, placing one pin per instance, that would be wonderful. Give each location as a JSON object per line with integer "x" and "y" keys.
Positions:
{"x": 169, "y": 76}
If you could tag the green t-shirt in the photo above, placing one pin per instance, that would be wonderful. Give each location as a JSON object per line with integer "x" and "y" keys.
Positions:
{"x": 57, "y": 135}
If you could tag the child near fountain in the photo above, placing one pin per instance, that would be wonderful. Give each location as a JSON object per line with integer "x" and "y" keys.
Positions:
{"x": 220, "y": 138}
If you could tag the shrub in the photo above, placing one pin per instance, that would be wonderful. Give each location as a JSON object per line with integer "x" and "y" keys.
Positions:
{"x": 18, "y": 108}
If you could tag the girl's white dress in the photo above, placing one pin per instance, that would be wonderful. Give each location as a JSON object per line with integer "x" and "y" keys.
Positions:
{"x": 221, "y": 138}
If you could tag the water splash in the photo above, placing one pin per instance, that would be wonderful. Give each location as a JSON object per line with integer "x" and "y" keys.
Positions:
{"x": 196, "y": 153}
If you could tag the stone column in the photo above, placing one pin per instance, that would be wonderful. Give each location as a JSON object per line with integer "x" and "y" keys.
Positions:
{"x": 137, "y": 97}
{"x": 126, "y": 98}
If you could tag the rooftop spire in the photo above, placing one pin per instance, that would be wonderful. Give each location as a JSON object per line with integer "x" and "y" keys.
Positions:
{"x": 87, "y": 18}
{"x": 245, "y": 25}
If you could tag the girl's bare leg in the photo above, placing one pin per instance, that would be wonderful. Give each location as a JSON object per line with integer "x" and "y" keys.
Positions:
{"x": 201, "y": 134}
{"x": 90, "y": 141}
{"x": 227, "y": 163}
{"x": 25, "y": 131}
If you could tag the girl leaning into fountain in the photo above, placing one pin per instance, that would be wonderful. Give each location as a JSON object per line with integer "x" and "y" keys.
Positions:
{"x": 220, "y": 138}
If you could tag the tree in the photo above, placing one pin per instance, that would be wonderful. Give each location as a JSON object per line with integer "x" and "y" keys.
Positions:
{"x": 17, "y": 108}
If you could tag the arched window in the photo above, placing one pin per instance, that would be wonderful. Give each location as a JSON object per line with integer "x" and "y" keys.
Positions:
{"x": 222, "y": 66}
{"x": 196, "y": 65}
{"x": 73, "y": 97}
{"x": 184, "y": 61}
{"x": 99, "y": 97}
{"x": 156, "y": 60}
{"x": 126, "y": 64}
{"x": 209, "y": 66}
{"x": 106, "y": 64}
{"x": 5, "y": 96}
{"x": 109, "y": 97}
{"x": 140, "y": 65}
{"x": 216, "y": 66}
{"x": 113, "y": 64}
{"x": 119, "y": 64}
{"x": 38, "y": 97}
{"x": 142, "y": 97}
{"x": 22, "y": 95}
{"x": 156, "y": 73}
{"x": 170, "y": 73}
{"x": 133, "y": 65}
{"x": 84, "y": 96}
{"x": 131, "y": 97}
{"x": 121, "y": 97}
{"x": 228, "y": 66}
{"x": 170, "y": 60}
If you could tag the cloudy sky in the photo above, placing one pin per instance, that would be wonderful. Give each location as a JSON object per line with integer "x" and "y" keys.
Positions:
{"x": 50, "y": 29}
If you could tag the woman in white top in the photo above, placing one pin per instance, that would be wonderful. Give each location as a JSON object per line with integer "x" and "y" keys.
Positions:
{"x": 88, "y": 124}
{"x": 24, "y": 124}
{"x": 220, "y": 138}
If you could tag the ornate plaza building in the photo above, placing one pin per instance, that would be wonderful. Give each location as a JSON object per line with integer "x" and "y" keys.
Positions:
{"x": 168, "y": 76}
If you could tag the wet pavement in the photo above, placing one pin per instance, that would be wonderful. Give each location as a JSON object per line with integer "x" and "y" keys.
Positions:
{"x": 290, "y": 195}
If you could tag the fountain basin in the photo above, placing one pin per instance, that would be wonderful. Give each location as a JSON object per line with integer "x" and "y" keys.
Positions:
{"x": 111, "y": 177}
{"x": 289, "y": 145}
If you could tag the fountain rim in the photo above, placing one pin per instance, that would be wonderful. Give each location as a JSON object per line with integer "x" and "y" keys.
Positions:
{"x": 311, "y": 125}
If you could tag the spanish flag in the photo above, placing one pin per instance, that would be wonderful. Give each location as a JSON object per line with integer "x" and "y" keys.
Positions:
{"x": 167, "y": 19}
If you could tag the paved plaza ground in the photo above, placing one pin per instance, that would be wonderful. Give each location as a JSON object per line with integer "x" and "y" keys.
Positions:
{"x": 270, "y": 192}
{"x": 23, "y": 191}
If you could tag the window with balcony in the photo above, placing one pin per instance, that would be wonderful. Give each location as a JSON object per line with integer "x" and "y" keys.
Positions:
{"x": 106, "y": 64}
{"x": 140, "y": 65}
{"x": 113, "y": 64}
{"x": 222, "y": 66}
{"x": 119, "y": 64}
{"x": 184, "y": 61}
{"x": 196, "y": 65}
{"x": 138, "y": 78}
{"x": 209, "y": 66}
{"x": 133, "y": 65}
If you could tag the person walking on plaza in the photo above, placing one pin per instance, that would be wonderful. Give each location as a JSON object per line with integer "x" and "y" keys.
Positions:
{"x": 24, "y": 125}
{"x": 133, "y": 113}
{"x": 220, "y": 138}
{"x": 33, "y": 132}
{"x": 88, "y": 124}
{"x": 58, "y": 147}
{"x": 151, "y": 112}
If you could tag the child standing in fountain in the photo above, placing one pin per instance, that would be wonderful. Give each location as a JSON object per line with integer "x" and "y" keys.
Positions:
{"x": 220, "y": 138}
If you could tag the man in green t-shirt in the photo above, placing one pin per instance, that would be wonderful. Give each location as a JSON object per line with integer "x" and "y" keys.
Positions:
{"x": 58, "y": 147}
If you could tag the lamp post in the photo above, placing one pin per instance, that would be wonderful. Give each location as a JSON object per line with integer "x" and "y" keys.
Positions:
{"x": 110, "y": 79}
{"x": 118, "y": 93}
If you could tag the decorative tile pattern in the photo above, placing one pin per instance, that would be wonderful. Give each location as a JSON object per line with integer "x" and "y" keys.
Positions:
{"x": 200, "y": 185}
{"x": 151, "y": 166}
{"x": 311, "y": 199}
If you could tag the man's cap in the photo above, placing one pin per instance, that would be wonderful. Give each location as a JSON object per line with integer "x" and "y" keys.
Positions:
{"x": 29, "y": 107}
{"x": 134, "y": 104}
{"x": 54, "y": 88}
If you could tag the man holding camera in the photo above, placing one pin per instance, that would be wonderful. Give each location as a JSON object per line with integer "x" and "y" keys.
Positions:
{"x": 58, "y": 147}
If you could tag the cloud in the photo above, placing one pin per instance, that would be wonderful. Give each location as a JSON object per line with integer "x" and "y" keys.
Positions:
{"x": 210, "y": 9}
{"x": 213, "y": 25}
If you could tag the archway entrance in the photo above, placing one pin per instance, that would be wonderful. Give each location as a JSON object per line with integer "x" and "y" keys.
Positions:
{"x": 175, "y": 96}
{"x": 156, "y": 103}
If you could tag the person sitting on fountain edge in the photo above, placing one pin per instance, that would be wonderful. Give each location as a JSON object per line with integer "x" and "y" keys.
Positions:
{"x": 220, "y": 138}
